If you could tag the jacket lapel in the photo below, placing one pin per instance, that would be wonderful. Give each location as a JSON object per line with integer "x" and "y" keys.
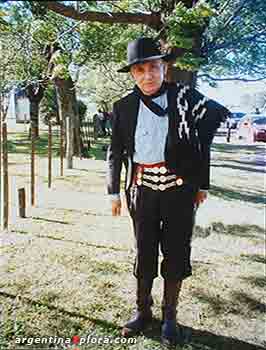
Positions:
{"x": 131, "y": 110}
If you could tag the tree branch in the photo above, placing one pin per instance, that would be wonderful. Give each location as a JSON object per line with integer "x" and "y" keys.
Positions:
{"x": 69, "y": 30}
{"x": 231, "y": 17}
{"x": 118, "y": 7}
{"x": 235, "y": 13}
{"x": 230, "y": 79}
{"x": 233, "y": 44}
{"x": 224, "y": 7}
{"x": 152, "y": 20}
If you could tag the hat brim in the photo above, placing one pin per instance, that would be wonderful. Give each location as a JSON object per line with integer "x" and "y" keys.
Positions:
{"x": 126, "y": 69}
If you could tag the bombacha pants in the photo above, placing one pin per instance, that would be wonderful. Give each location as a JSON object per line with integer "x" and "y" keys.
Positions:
{"x": 162, "y": 220}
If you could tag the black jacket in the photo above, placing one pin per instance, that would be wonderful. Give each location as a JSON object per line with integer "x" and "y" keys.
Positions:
{"x": 201, "y": 115}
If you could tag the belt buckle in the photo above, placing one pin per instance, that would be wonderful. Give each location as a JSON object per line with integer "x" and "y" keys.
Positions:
{"x": 162, "y": 178}
{"x": 162, "y": 170}
{"x": 179, "y": 181}
{"x": 155, "y": 178}
{"x": 162, "y": 187}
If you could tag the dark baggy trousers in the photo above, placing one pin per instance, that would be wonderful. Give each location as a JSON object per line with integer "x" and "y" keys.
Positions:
{"x": 162, "y": 219}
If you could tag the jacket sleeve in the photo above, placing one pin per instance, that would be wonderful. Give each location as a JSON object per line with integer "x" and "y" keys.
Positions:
{"x": 207, "y": 115}
{"x": 114, "y": 155}
{"x": 205, "y": 169}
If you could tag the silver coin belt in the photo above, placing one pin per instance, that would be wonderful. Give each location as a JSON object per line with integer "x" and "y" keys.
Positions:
{"x": 157, "y": 178}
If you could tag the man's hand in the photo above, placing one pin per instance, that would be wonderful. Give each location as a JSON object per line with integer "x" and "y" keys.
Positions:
{"x": 200, "y": 197}
{"x": 116, "y": 207}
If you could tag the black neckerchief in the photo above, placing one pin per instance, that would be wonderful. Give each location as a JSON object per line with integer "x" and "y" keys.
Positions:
{"x": 172, "y": 139}
{"x": 147, "y": 100}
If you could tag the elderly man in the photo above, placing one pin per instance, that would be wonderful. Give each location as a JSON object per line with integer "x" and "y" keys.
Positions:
{"x": 162, "y": 132}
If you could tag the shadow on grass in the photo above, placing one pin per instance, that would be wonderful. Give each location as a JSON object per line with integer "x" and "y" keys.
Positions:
{"x": 254, "y": 258}
{"x": 240, "y": 303}
{"x": 247, "y": 301}
{"x": 235, "y": 167}
{"x": 50, "y": 220}
{"x": 229, "y": 194}
{"x": 216, "y": 303}
{"x": 197, "y": 338}
{"x": 255, "y": 162}
{"x": 247, "y": 231}
{"x": 204, "y": 338}
{"x": 22, "y": 145}
{"x": 255, "y": 281}
{"x": 75, "y": 242}
{"x": 232, "y": 148}
{"x": 98, "y": 149}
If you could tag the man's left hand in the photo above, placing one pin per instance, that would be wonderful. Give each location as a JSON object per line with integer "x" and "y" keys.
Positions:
{"x": 200, "y": 197}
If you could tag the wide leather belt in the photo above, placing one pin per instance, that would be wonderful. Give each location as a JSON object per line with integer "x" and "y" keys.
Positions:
{"x": 156, "y": 176}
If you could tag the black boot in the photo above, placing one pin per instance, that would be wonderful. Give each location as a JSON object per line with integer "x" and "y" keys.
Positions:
{"x": 170, "y": 333}
{"x": 143, "y": 317}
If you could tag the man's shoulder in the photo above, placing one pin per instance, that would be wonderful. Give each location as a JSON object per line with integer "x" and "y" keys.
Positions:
{"x": 125, "y": 100}
{"x": 180, "y": 88}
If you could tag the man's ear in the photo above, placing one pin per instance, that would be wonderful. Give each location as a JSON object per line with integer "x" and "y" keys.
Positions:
{"x": 165, "y": 66}
{"x": 131, "y": 73}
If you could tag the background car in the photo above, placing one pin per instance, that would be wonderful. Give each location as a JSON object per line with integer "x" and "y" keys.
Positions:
{"x": 252, "y": 127}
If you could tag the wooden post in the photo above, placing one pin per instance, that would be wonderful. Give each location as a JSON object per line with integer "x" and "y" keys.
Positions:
{"x": 5, "y": 178}
{"x": 1, "y": 182}
{"x": 69, "y": 141}
{"x": 25, "y": 121}
{"x": 22, "y": 202}
{"x": 32, "y": 166}
{"x": 87, "y": 131}
{"x": 95, "y": 129}
{"x": 228, "y": 135}
{"x": 61, "y": 149}
{"x": 49, "y": 154}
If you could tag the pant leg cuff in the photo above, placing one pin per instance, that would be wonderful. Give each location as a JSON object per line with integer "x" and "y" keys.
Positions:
{"x": 176, "y": 277}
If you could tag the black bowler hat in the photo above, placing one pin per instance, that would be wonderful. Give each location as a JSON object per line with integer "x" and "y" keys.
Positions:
{"x": 142, "y": 50}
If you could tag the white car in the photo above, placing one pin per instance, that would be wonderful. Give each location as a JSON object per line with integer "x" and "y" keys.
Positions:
{"x": 250, "y": 127}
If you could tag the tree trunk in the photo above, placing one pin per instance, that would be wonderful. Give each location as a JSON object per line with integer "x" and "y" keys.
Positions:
{"x": 34, "y": 118}
{"x": 35, "y": 96}
{"x": 176, "y": 75}
{"x": 68, "y": 112}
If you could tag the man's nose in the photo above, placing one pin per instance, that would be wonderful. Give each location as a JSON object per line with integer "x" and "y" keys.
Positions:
{"x": 148, "y": 75}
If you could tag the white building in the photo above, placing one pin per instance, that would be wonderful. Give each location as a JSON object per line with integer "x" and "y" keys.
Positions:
{"x": 18, "y": 108}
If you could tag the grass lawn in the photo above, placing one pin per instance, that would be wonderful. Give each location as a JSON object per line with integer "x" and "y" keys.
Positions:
{"x": 66, "y": 270}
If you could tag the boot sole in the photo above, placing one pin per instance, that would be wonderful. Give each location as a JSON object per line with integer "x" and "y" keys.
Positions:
{"x": 129, "y": 332}
{"x": 175, "y": 340}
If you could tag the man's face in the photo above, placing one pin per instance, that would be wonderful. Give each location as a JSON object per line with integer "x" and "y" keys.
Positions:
{"x": 148, "y": 75}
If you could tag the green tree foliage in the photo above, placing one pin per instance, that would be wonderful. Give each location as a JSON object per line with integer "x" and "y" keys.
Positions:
{"x": 49, "y": 107}
{"x": 232, "y": 40}
{"x": 184, "y": 27}
{"x": 235, "y": 42}
{"x": 103, "y": 85}
{"x": 222, "y": 39}
{"x": 82, "y": 110}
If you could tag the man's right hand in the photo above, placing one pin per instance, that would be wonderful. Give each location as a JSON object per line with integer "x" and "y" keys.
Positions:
{"x": 116, "y": 207}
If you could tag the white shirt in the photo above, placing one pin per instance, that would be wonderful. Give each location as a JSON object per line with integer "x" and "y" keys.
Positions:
{"x": 151, "y": 132}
